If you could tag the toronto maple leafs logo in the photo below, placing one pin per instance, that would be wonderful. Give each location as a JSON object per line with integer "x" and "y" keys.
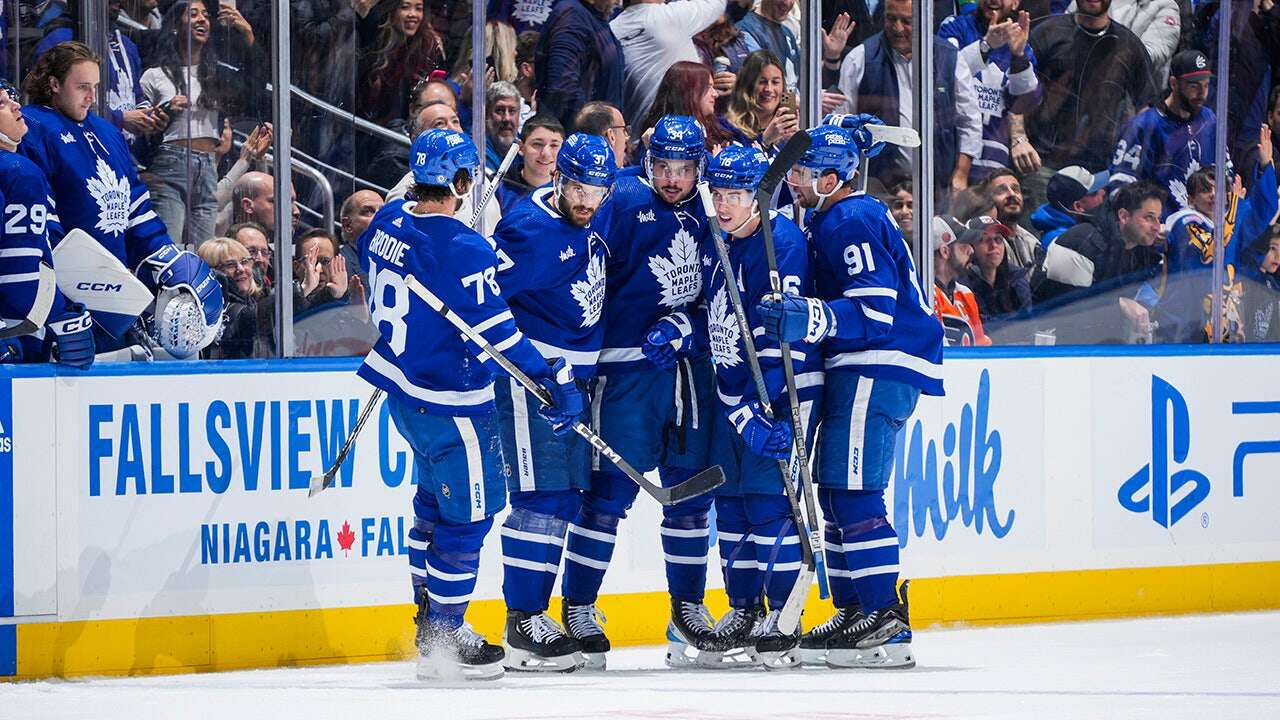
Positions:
{"x": 111, "y": 192}
{"x": 589, "y": 292}
{"x": 1178, "y": 188}
{"x": 533, "y": 12}
{"x": 722, "y": 327}
{"x": 678, "y": 272}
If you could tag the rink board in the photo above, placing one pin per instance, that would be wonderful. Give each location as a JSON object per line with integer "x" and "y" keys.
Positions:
{"x": 157, "y": 521}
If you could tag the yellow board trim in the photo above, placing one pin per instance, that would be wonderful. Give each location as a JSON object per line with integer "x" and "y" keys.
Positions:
{"x": 204, "y": 643}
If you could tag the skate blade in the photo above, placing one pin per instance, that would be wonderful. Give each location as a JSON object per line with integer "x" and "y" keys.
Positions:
{"x": 779, "y": 660}
{"x": 811, "y": 657}
{"x": 737, "y": 658}
{"x": 524, "y": 661}
{"x": 436, "y": 669}
{"x": 593, "y": 662}
{"x": 893, "y": 656}
{"x": 681, "y": 655}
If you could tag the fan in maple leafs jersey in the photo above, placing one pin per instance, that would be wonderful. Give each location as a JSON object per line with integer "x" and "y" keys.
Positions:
{"x": 551, "y": 271}
{"x": 642, "y": 407}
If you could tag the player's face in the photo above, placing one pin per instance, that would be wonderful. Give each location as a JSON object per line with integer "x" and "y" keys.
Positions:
{"x": 768, "y": 89}
{"x": 733, "y": 206}
{"x": 409, "y": 17}
{"x": 539, "y": 151}
{"x": 1142, "y": 226}
{"x": 503, "y": 116}
{"x": 1202, "y": 202}
{"x": 674, "y": 179}
{"x": 12, "y": 123}
{"x": 1193, "y": 93}
{"x": 579, "y": 202}
{"x": 1271, "y": 262}
{"x": 802, "y": 188}
{"x": 1006, "y": 192}
{"x": 74, "y": 96}
{"x": 988, "y": 253}
{"x": 366, "y": 204}
{"x": 902, "y": 207}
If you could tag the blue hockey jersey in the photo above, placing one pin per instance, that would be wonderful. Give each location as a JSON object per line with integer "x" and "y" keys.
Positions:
{"x": 863, "y": 270}
{"x": 420, "y": 358}
{"x": 734, "y": 383}
{"x": 652, "y": 266}
{"x": 28, "y": 221}
{"x": 1158, "y": 147}
{"x": 552, "y": 275}
{"x": 95, "y": 183}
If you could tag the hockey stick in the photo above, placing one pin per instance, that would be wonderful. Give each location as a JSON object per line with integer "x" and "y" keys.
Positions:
{"x": 497, "y": 180}
{"x": 705, "y": 481}
{"x": 41, "y": 306}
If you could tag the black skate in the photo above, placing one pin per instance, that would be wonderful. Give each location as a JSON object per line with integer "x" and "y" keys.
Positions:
{"x": 535, "y": 643}
{"x": 773, "y": 647}
{"x": 812, "y": 650}
{"x": 734, "y": 634}
{"x": 878, "y": 639}
{"x": 582, "y": 623}
{"x": 690, "y": 633}
{"x": 453, "y": 654}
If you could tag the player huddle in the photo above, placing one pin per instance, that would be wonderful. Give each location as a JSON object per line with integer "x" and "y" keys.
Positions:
{"x": 669, "y": 317}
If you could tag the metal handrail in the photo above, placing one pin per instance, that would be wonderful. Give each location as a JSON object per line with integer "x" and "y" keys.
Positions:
{"x": 326, "y": 189}
{"x": 356, "y": 121}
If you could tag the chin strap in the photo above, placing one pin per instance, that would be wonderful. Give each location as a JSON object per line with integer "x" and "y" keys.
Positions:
{"x": 9, "y": 143}
{"x": 754, "y": 214}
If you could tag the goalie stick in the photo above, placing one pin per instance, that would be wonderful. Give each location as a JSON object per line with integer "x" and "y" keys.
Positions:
{"x": 705, "y": 481}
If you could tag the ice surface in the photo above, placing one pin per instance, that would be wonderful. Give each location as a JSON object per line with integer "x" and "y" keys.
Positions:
{"x": 1219, "y": 666}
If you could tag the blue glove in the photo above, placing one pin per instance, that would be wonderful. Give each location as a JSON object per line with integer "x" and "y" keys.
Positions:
{"x": 770, "y": 438}
{"x": 72, "y": 335}
{"x": 566, "y": 399}
{"x": 171, "y": 269}
{"x": 791, "y": 317}
{"x": 10, "y": 350}
{"x": 857, "y": 126}
{"x": 666, "y": 339}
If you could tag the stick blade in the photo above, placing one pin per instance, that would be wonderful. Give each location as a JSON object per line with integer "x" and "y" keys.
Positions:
{"x": 789, "y": 616}
{"x": 702, "y": 483}
{"x": 319, "y": 483}
{"x": 782, "y": 162}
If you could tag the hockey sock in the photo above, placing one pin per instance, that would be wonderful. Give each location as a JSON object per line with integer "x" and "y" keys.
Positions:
{"x": 777, "y": 545}
{"x": 453, "y": 557}
{"x": 838, "y": 580}
{"x": 592, "y": 534}
{"x": 426, "y": 513}
{"x": 742, "y": 581}
{"x": 532, "y": 540}
{"x": 869, "y": 543}
{"x": 685, "y": 531}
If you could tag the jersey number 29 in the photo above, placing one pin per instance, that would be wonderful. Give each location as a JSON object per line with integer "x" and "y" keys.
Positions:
{"x": 14, "y": 215}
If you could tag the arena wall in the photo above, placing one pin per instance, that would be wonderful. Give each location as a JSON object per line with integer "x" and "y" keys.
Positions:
{"x": 154, "y": 518}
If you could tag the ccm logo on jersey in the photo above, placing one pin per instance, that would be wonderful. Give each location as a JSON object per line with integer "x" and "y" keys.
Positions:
{"x": 99, "y": 286}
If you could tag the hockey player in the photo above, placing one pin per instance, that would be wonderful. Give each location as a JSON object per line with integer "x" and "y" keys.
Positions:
{"x": 97, "y": 190}
{"x": 653, "y": 227}
{"x": 759, "y": 541}
{"x": 440, "y": 391}
{"x": 58, "y": 329}
{"x": 882, "y": 348}
{"x": 552, "y": 276}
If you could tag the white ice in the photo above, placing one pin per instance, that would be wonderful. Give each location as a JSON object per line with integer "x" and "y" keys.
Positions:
{"x": 1218, "y": 666}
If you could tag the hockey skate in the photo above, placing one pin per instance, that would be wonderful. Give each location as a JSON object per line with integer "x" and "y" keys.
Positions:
{"x": 582, "y": 623}
{"x": 774, "y": 648}
{"x": 812, "y": 650}
{"x": 690, "y": 634}
{"x": 878, "y": 639}
{"x": 735, "y": 635}
{"x": 453, "y": 653}
{"x": 535, "y": 643}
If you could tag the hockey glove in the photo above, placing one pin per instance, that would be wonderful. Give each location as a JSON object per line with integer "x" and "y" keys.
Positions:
{"x": 857, "y": 126}
{"x": 72, "y": 334}
{"x": 789, "y": 318}
{"x": 566, "y": 399}
{"x": 666, "y": 339}
{"x": 10, "y": 350}
{"x": 172, "y": 269}
{"x": 770, "y": 438}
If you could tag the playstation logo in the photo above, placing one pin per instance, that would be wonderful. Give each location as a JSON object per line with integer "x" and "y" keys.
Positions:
{"x": 1152, "y": 488}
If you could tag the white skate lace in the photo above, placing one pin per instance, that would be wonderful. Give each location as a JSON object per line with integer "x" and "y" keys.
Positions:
{"x": 584, "y": 621}
{"x": 697, "y": 616}
{"x": 768, "y": 625}
{"x": 466, "y": 636}
{"x": 830, "y": 625}
{"x": 730, "y": 623}
{"x": 541, "y": 628}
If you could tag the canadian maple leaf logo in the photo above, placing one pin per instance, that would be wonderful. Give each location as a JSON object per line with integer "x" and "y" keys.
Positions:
{"x": 346, "y": 538}
{"x": 722, "y": 327}
{"x": 589, "y": 292}
{"x": 677, "y": 273}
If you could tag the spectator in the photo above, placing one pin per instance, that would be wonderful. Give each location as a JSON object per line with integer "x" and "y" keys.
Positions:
{"x": 254, "y": 199}
{"x": 356, "y": 214}
{"x": 902, "y": 206}
{"x": 525, "y": 44}
{"x": 765, "y": 26}
{"x": 252, "y": 151}
{"x": 756, "y": 114}
{"x": 1260, "y": 306}
{"x": 687, "y": 89}
{"x": 525, "y": 16}
{"x": 1172, "y": 139}
{"x": 1003, "y": 291}
{"x": 1109, "y": 261}
{"x": 1073, "y": 194}
{"x": 655, "y": 35}
{"x": 502, "y": 115}
{"x": 1252, "y": 161}
{"x": 578, "y": 59}
{"x": 1003, "y": 190}
{"x": 233, "y": 267}
{"x": 254, "y": 239}
{"x": 605, "y": 120}
{"x": 953, "y": 302}
{"x": 405, "y": 52}
{"x": 1095, "y": 75}
{"x": 723, "y": 47}
{"x": 1158, "y": 24}
{"x": 875, "y": 77}
{"x": 185, "y": 78}
{"x": 993, "y": 46}
{"x": 866, "y": 18}
{"x": 139, "y": 14}
{"x": 320, "y": 273}
{"x": 543, "y": 136}
{"x": 971, "y": 203}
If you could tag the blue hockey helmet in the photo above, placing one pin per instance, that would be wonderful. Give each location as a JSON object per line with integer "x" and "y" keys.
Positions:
{"x": 587, "y": 159}
{"x": 737, "y": 167}
{"x": 677, "y": 137}
{"x": 438, "y": 154}
{"x": 832, "y": 149}
{"x": 857, "y": 127}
